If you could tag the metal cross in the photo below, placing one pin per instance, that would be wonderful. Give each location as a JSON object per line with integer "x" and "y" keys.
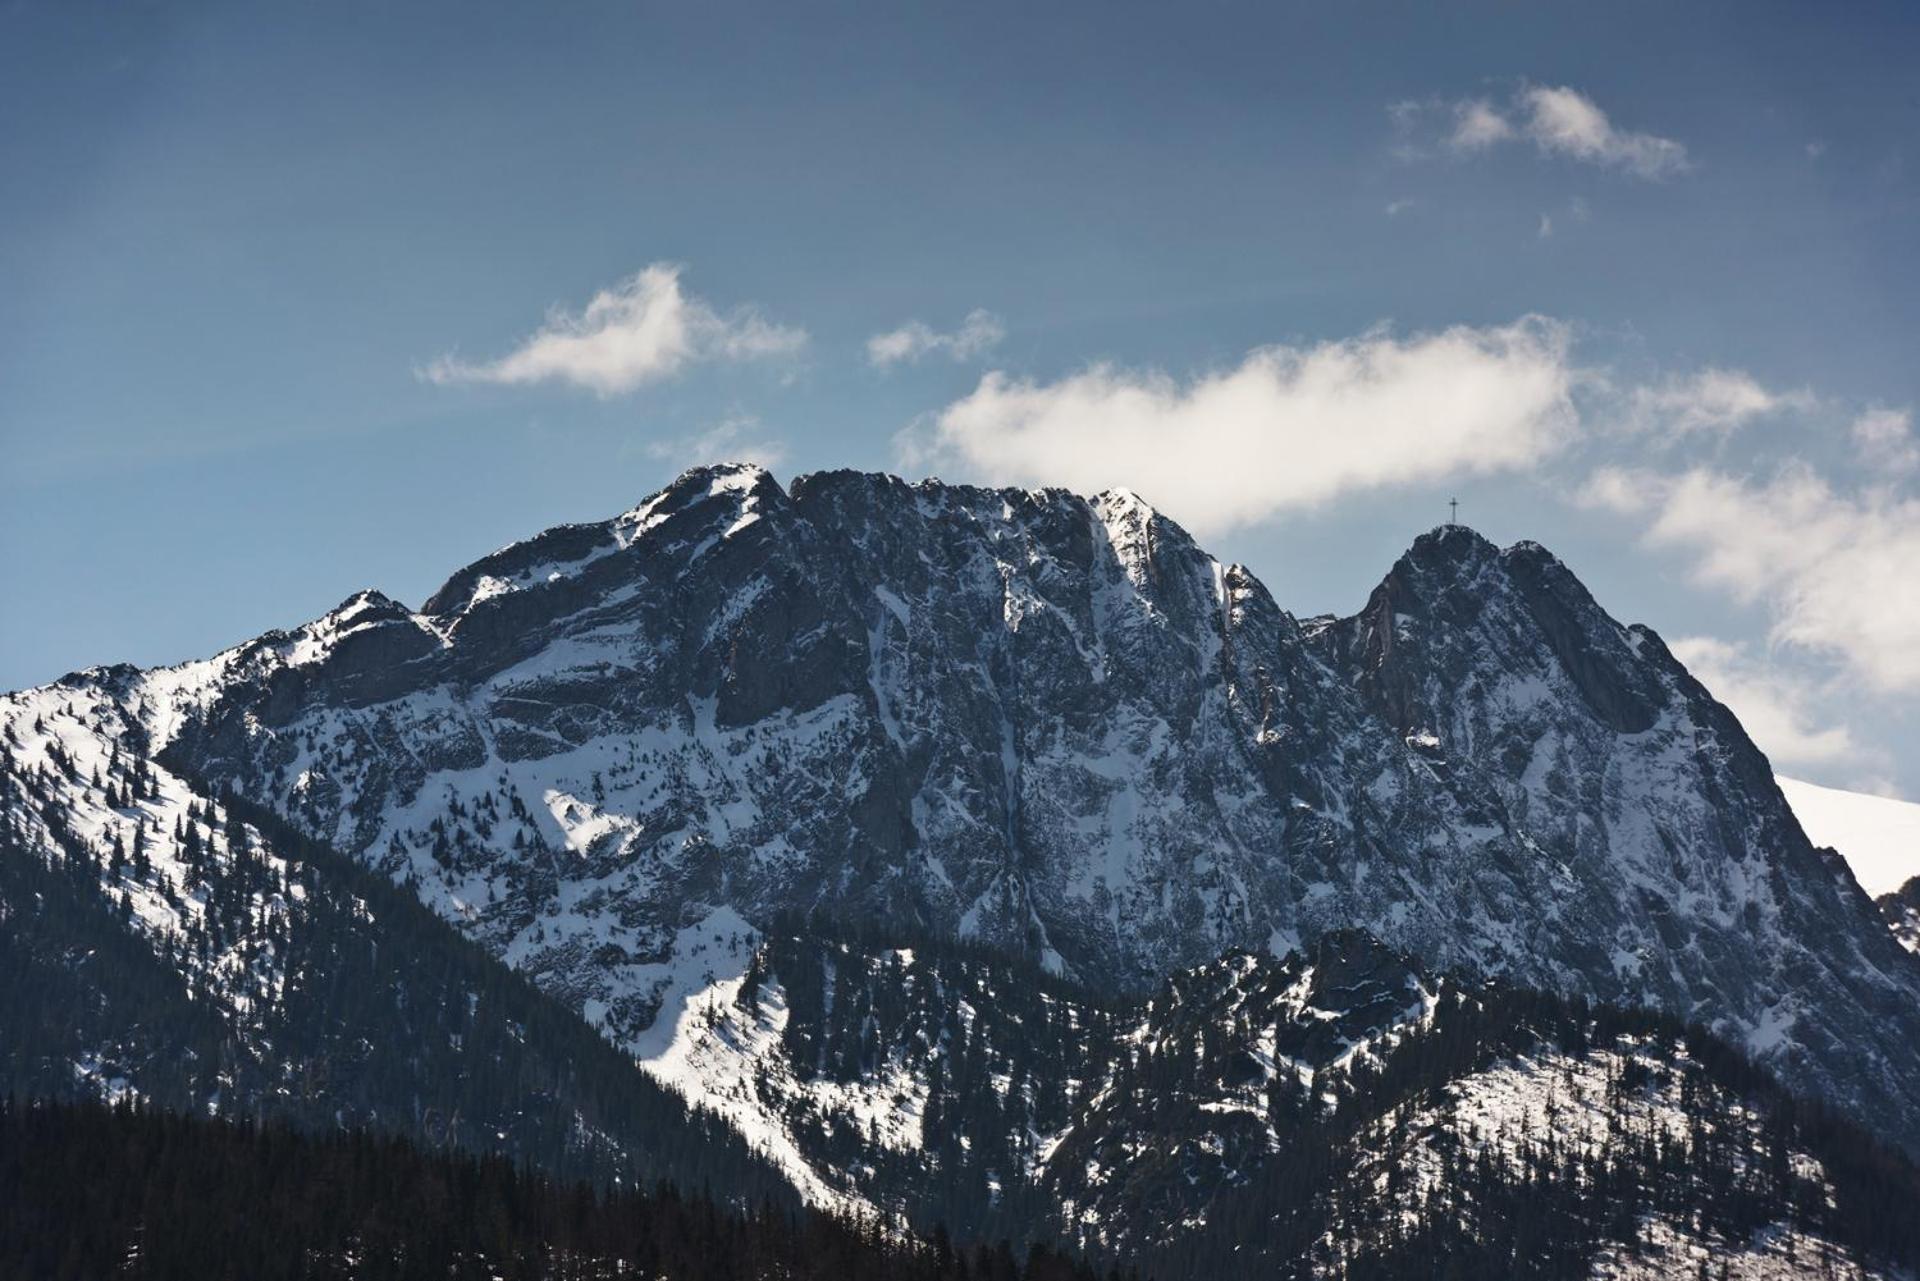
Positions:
{"x": 1453, "y": 511}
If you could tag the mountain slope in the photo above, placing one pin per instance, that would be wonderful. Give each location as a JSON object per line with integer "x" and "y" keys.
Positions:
{"x": 1056, "y": 726}
{"x": 1340, "y": 1113}
{"x": 1656, "y": 860}
{"x": 1877, "y": 835}
{"x": 169, "y": 946}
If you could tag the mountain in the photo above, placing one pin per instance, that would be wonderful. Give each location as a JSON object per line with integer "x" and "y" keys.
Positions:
{"x": 1250, "y": 1116}
{"x": 1878, "y": 836}
{"x": 613, "y": 754}
{"x": 1649, "y": 855}
{"x": 174, "y": 946}
{"x": 1338, "y": 1112}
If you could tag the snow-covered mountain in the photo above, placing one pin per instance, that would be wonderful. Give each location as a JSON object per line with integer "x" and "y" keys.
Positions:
{"x": 1048, "y": 724}
{"x": 165, "y": 944}
{"x": 1877, "y": 835}
{"x": 1333, "y": 1113}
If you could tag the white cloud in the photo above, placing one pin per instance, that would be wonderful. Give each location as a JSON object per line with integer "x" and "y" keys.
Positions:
{"x": 1883, "y": 439}
{"x": 1566, "y": 121}
{"x": 1776, "y": 707}
{"x": 1286, "y": 428}
{"x": 1477, "y": 125}
{"x": 1397, "y": 207}
{"x": 1558, "y": 120}
{"x": 1835, "y": 571}
{"x": 734, "y": 440}
{"x": 642, "y": 330}
{"x": 1546, "y": 226}
{"x": 978, "y": 333}
{"x": 1710, "y": 400}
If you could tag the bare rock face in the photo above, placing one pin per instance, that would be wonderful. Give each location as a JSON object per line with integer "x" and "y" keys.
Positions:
{"x": 1055, "y": 725}
{"x": 1680, "y": 879}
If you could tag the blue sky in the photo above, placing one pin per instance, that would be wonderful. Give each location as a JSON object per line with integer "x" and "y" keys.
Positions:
{"x": 298, "y": 300}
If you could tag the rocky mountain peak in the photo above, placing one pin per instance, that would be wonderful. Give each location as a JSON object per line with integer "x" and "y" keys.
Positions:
{"x": 366, "y": 606}
{"x": 702, "y": 506}
{"x": 1457, "y": 613}
{"x": 1053, "y": 725}
{"x": 717, "y": 491}
{"x": 1450, "y": 545}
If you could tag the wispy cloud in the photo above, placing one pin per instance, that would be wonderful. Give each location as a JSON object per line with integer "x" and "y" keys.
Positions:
{"x": 979, "y": 333}
{"x": 1286, "y": 428}
{"x": 1477, "y": 125}
{"x": 740, "y": 439}
{"x": 1711, "y": 400}
{"x": 1556, "y": 119}
{"x": 1835, "y": 571}
{"x": 1883, "y": 439}
{"x": 642, "y": 330}
{"x": 1569, "y": 123}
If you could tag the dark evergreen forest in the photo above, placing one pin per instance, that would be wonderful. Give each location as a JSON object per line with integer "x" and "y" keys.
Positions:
{"x": 88, "y": 1191}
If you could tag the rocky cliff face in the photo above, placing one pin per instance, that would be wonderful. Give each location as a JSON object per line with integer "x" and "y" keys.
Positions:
{"x": 1655, "y": 858}
{"x": 1053, "y": 725}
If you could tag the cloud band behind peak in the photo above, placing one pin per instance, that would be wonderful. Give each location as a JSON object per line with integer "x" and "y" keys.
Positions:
{"x": 1286, "y": 428}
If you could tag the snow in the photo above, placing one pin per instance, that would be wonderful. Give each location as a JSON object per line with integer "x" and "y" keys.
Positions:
{"x": 1552, "y": 1102}
{"x": 732, "y": 1062}
{"x": 1669, "y": 1249}
{"x": 1878, "y": 836}
{"x": 88, "y": 729}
